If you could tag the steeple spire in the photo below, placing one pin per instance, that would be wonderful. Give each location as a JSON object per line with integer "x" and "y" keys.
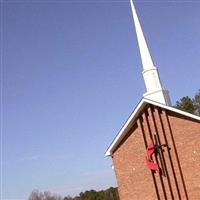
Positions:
{"x": 155, "y": 90}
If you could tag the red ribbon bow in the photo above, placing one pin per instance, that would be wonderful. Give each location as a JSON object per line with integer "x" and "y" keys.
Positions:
{"x": 150, "y": 163}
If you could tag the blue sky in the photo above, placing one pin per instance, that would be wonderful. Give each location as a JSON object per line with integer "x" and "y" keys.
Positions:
{"x": 72, "y": 76}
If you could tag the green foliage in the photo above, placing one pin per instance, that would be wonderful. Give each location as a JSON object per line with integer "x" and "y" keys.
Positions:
{"x": 68, "y": 198}
{"x": 186, "y": 104}
{"x": 191, "y": 105}
{"x": 109, "y": 194}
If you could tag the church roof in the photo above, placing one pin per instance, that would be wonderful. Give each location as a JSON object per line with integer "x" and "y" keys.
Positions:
{"x": 133, "y": 117}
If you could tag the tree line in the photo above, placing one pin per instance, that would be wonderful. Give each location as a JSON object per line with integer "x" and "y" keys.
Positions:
{"x": 108, "y": 194}
{"x": 188, "y": 104}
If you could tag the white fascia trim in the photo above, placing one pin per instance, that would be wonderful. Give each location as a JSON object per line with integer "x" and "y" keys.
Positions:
{"x": 173, "y": 109}
{"x": 124, "y": 129}
{"x": 134, "y": 115}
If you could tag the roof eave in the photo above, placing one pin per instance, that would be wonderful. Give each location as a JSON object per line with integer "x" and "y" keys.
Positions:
{"x": 125, "y": 128}
{"x": 132, "y": 119}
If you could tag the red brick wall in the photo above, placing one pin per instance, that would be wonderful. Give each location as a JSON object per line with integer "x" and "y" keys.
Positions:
{"x": 181, "y": 158}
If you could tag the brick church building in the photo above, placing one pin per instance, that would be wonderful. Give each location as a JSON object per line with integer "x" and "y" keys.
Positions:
{"x": 156, "y": 154}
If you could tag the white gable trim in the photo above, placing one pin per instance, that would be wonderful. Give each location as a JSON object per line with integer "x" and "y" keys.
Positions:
{"x": 134, "y": 115}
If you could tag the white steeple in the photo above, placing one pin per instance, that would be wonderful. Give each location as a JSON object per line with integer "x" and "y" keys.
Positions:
{"x": 155, "y": 90}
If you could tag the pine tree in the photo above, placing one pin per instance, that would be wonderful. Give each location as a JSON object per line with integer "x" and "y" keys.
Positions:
{"x": 186, "y": 104}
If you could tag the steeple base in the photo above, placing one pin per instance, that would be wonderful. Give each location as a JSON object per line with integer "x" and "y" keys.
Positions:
{"x": 161, "y": 96}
